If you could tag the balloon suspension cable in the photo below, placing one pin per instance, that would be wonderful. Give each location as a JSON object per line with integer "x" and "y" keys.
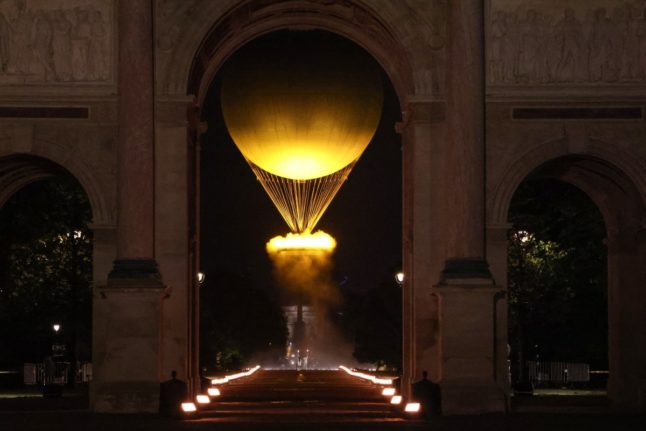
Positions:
{"x": 301, "y": 202}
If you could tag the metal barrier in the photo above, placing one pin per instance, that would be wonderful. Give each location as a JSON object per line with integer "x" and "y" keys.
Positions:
{"x": 558, "y": 373}
{"x": 58, "y": 373}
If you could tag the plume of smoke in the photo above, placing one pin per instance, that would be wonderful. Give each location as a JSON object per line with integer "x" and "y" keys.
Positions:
{"x": 306, "y": 274}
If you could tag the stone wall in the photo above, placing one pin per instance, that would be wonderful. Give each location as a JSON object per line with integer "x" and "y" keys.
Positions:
{"x": 570, "y": 41}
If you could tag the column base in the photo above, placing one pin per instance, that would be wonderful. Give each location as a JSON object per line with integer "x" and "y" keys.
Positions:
{"x": 468, "y": 343}
{"x": 472, "y": 398}
{"x": 124, "y": 397}
{"x": 126, "y": 346}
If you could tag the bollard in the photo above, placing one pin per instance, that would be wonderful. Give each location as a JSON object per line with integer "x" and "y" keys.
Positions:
{"x": 171, "y": 394}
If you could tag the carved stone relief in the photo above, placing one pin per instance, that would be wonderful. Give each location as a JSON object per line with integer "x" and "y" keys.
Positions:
{"x": 55, "y": 41}
{"x": 425, "y": 21}
{"x": 566, "y": 41}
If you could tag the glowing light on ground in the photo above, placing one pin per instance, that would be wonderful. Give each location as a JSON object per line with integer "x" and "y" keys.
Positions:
{"x": 412, "y": 408}
{"x": 373, "y": 379}
{"x": 318, "y": 241}
{"x": 188, "y": 407}
{"x": 213, "y": 392}
{"x": 227, "y": 379}
{"x": 202, "y": 399}
{"x": 397, "y": 399}
{"x": 388, "y": 392}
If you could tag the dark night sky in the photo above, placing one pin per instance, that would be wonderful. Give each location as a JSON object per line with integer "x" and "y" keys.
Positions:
{"x": 237, "y": 217}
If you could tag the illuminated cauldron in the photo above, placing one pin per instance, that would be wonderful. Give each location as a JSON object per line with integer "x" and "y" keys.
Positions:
{"x": 301, "y": 116}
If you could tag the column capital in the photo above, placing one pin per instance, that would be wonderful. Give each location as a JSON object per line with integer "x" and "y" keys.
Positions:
{"x": 421, "y": 111}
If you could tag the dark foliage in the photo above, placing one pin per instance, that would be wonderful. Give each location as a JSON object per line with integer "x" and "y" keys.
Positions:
{"x": 377, "y": 325}
{"x": 557, "y": 276}
{"x": 238, "y": 323}
{"x": 45, "y": 270}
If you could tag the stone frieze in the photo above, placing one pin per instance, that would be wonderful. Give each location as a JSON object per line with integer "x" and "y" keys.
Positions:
{"x": 566, "y": 41}
{"x": 56, "y": 41}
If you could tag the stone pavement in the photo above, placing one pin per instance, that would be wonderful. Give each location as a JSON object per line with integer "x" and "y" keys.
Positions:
{"x": 85, "y": 421}
{"x": 294, "y": 400}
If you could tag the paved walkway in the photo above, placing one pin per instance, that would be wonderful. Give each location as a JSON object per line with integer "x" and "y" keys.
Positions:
{"x": 291, "y": 401}
{"x": 84, "y": 421}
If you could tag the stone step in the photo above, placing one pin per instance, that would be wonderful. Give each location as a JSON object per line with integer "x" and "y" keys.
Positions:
{"x": 300, "y": 411}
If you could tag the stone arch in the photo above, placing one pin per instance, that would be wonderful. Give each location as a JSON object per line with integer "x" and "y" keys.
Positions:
{"x": 625, "y": 166}
{"x": 254, "y": 18}
{"x": 349, "y": 19}
{"x": 614, "y": 181}
{"x": 18, "y": 169}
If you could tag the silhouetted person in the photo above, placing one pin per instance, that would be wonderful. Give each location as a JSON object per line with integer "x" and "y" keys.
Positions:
{"x": 50, "y": 387}
{"x": 171, "y": 395}
{"x": 429, "y": 396}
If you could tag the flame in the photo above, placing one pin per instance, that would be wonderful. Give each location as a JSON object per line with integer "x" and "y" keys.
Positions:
{"x": 318, "y": 241}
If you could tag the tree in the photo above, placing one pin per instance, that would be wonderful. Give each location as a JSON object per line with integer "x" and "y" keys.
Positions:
{"x": 557, "y": 276}
{"x": 238, "y": 323}
{"x": 378, "y": 325}
{"x": 45, "y": 270}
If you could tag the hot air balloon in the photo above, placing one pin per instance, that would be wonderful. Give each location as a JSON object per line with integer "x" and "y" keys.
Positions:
{"x": 301, "y": 117}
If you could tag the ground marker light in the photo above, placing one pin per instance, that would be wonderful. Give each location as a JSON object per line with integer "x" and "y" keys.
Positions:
{"x": 188, "y": 407}
{"x": 388, "y": 392}
{"x": 412, "y": 408}
{"x": 203, "y": 399}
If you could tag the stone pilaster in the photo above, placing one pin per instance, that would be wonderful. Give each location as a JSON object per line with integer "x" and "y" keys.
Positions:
{"x": 465, "y": 141}
{"x": 626, "y": 306}
{"x": 128, "y": 350}
{"x": 467, "y": 294}
{"x": 423, "y": 132}
{"x": 497, "y": 246}
{"x": 135, "y": 238}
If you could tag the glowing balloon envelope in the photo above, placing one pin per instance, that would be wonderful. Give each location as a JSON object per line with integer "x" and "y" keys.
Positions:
{"x": 301, "y": 117}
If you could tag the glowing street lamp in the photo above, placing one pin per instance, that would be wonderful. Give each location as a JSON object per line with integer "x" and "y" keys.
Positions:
{"x": 200, "y": 277}
{"x": 56, "y": 327}
{"x": 399, "y": 278}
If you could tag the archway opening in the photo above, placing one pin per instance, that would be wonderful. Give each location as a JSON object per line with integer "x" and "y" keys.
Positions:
{"x": 45, "y": 276}
{"x": 558, "y": 290}
{"x": 237, "y": 219}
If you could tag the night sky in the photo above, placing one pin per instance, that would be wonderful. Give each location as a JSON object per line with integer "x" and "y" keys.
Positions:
{"x": 238, "y": 218}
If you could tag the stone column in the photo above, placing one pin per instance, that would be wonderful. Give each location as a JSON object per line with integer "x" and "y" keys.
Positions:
{"x": 464, "y": 173}
{"x": 127, "y": 313}
{"x": 467, "y": 295}
{"x": 135, "y": 239}
{"x": 423, "y": 132}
